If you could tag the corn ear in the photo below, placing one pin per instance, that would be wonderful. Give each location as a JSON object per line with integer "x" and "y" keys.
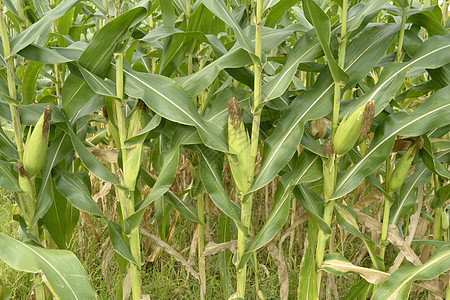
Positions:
{"x": 25, "y": 198}
{"x": 398, "y": 176}
{"x": 36, "y": 146}
{"x": 132, "y": 166}
{"x": 138, "y": 119}
{"x": 134, "y": 157}
{"x": 239, "y": 147}
{"x": 24, "y": 182}
{"x": 353, "y": 128}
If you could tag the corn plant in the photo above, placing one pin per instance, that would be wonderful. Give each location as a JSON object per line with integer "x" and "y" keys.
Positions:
{"x": 241, "y": 123}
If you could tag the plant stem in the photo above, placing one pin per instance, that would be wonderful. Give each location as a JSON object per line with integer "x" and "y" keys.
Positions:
{"x": 437, "y": 224}
{"x": 445, "y": 18}
{"x": 437, "y": 234}
{"x": 255, "y": 269}
{"x": 201, "y": 244}
{"x": 257, "y": 83}
{"x": 127, "y": 203}
{"x": 387, "y": 208}
{"x": 29, "y": 200}
{"x": 246, "y": 213}
{"x": 246, "y": 207}
{"x": 341, "y": 61}
{"x": 384, "y": 230}
{"x": 333, "y": 162}
{"x": 401, "y": 35}
{"x": 322, "y": 239}
{"x": 14, "y": 109}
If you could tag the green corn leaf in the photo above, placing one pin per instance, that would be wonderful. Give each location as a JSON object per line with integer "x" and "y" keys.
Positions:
{"x": 29, "y": 81}
{"x": 6, "y": 146}
{"x": 278, "y": 10}
{"x": 433, "y": 53}
{"x": 61, "y": 219}
{"x": 170, "y": 100}
{"x": 398, "y": 285}
{"x": 210, "y": 169}
{"x": 64, "y": 274}
{"x": 41, "y": 27}
{"x": 98, "y": 85}
{"x": 358, "y": 12}
{"x": 187, "y": 210}
{"x": 427, "y": 18}
{"x": 358, "y": 290}
{"x": 118, "y": 242}
{"x": 91, "y": 162}
{"x": 431, "y": 161}
{"x": 316, "y": 103}
{"x": 60, "y": 147}
{"x": 321, "y": 23}
{"x": 161, "y": 186}
{"x": 307, "y": 170}
{"x": 75, "y": 187}
{"x": 51, "y": 56}
{"x": 8, "y": 177}
{"x": 313, "y": 204}
{"x": 78, "y": 98}
{"x": 199, "y": 81}
{"x": 305, "y": 50}
{"x": 219, "y": 9}
{"x": 308, "y": 276}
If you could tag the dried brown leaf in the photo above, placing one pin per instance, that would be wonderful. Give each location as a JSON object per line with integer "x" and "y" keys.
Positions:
{"x": 212, "y": 248}
{"x": 172, "y": 252}
{"x": 283, "y": 275}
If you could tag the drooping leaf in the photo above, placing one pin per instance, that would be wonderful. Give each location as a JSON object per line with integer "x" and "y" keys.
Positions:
{"x": 398, "y": 285}
{"x": 77, "y": 192}
{"x": 170, "y": 100}
{"x": 63, "y": 273}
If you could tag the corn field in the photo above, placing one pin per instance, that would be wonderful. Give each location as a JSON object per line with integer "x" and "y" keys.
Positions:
{"x": 238, "y": 138}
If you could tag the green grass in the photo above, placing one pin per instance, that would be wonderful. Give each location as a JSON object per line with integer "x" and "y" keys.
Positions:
{"x": 17, "y": 282}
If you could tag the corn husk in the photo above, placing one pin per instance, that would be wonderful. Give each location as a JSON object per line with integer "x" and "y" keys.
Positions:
{"x": 353, "y": 128}
{"x": 35, "y": 149}
{"x": 239, "y": 147}
{"x": 398, "y": 176}
{"x": 135, "y": 154}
